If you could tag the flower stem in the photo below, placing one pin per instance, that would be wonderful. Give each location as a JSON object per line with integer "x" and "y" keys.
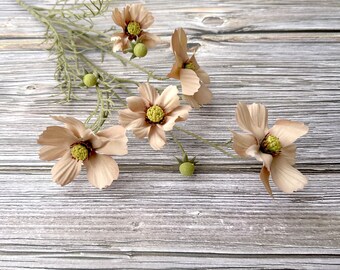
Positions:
{"x": 198, "y": 137}
{"x": 180, "y": 146}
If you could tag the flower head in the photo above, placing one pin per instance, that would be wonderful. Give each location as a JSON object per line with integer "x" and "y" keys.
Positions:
{"x": 76, "y": 145}
{"x": 134, "y": 19}
{"x": 193, "y": 78}
{"x": 274, "y": 147}
{"x": 151, "y": 114}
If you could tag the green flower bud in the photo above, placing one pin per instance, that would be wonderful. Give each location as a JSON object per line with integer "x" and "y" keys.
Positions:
{"x": 90, "y": 80}
{"x": 187, "y": 168}
{"x": 140, "y": 50}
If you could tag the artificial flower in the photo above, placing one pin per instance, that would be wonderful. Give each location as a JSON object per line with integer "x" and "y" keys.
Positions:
{"x": 274, "y": 147}
{"x": 134, "y": 19}
{"x": 193, "y": 78}
{"x": 151, "y": 114}
{"x": 76, "y": 145}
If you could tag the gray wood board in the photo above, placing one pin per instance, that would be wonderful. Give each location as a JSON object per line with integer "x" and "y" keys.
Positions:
{"x": 286, "y": 56}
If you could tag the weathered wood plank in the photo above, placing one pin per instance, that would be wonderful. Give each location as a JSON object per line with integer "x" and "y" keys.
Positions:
{"x": 162, "y": 219}
{"x": 284, "y": 55}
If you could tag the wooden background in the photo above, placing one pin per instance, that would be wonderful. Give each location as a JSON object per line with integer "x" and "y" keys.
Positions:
{"x": 284, "y": 54}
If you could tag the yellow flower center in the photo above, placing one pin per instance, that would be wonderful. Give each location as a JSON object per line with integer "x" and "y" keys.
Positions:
{"x": 155, "y": 114}
{"x": 190, "y": 65}
{"x": 271, "y": 145}
{"x": 79, "y": 152}
{"x": 134, "y": 28}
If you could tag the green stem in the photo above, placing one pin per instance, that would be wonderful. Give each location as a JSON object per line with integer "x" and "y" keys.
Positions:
{"x": 178, "y": 143}
{"x": 198, "y": 137}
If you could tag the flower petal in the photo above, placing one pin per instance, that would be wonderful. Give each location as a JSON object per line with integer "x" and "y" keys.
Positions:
{"x": 148, "y": 92}
{"x": 247, "y": 123}
{"x": 241, "y": 142}
{"x": 130, "y": 119}
{"x": 202, "y": 96}
{"x": 137, "y": 104}
{"x": 142, "y": 132}
{"x": 288, "y": 131}
{"x": 73, "y": 124}
{"x": 66, "y": 169}
{"x": 118, "y": 18}
{"x": 57, "y": 136}
{"x": 149, "y": 40}
{"x": 179, "y": 43}
{"x": 264, "y": 176}
{"x": 115, "y": 141}
{"x": 289, "y": 153}
{"x": 189, "y": 81}
{"x": 157, "y": 137}
{"x": 48, "y": 152}
{"x": 101, "y": 170}
{"x": 204, "y": 77}
{"x": 287, "y": 178}
{"x": 259, "y": 117}
{"x": 168, "y": 100}
{"x": 266, "y": 159}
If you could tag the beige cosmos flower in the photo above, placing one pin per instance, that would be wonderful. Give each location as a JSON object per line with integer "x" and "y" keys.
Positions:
{"x": 151, "y": 114}
{"x": 274, "y": 147}
{"x": 193, "y": 78}
{"x": 134, "y": 19}
{"x": 76, "y": 145}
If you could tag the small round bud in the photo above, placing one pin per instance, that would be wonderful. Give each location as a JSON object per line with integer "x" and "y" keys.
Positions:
{"x": 140, "y": 50}
{"x": 90, "y": 80}
{"x": 187, "y": 168}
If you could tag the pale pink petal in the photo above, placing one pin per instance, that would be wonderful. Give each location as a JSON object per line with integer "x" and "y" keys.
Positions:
{"x": 135, "y": 11}
{"x": 266, "y": 159}
{"x": 287, "y": 178}
{"x": 66, "y": 169}
{"x": 181, "y": 113}
{"x": 264, "y": 176}
{"x": 168, "y": 100}
{"x": 254, "y": 151}
{"x": 130, "y": 119}
{"x": 259, "y": 116}
{"x": 241, "y": 142}
{"x": 149, "y": 40}
{"x": 245, "y": 121}
{"x": 126, "y": 14}
{"x": 57, "y": 136}
{"x": 142, "y": 132}
{"x": 176, "y": 68}
{"x": 115, "y": 141}
{"x": 147, "y": 21}
{"x": 101, "y": 170}
{"x": 148, "y": 92}
{"x": 179, "y": 43}
{"x": 117, "y": 18}
{"x": 288, "y": 131}
{"x": 204, "y": 77}
{"x": 73, "y": 124}
{"x": 189, "y": 81}
{"x": 289, "y": 153}
{"x": 114, "y": 132}
{"x": 48, "y": 152}
{"x": 202, "y": 96}
{"x": 157, "y": 137}
{"x": 137, "y": 104}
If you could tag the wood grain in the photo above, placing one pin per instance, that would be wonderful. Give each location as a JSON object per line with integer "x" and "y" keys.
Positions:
{"x": 284, "y": 55}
